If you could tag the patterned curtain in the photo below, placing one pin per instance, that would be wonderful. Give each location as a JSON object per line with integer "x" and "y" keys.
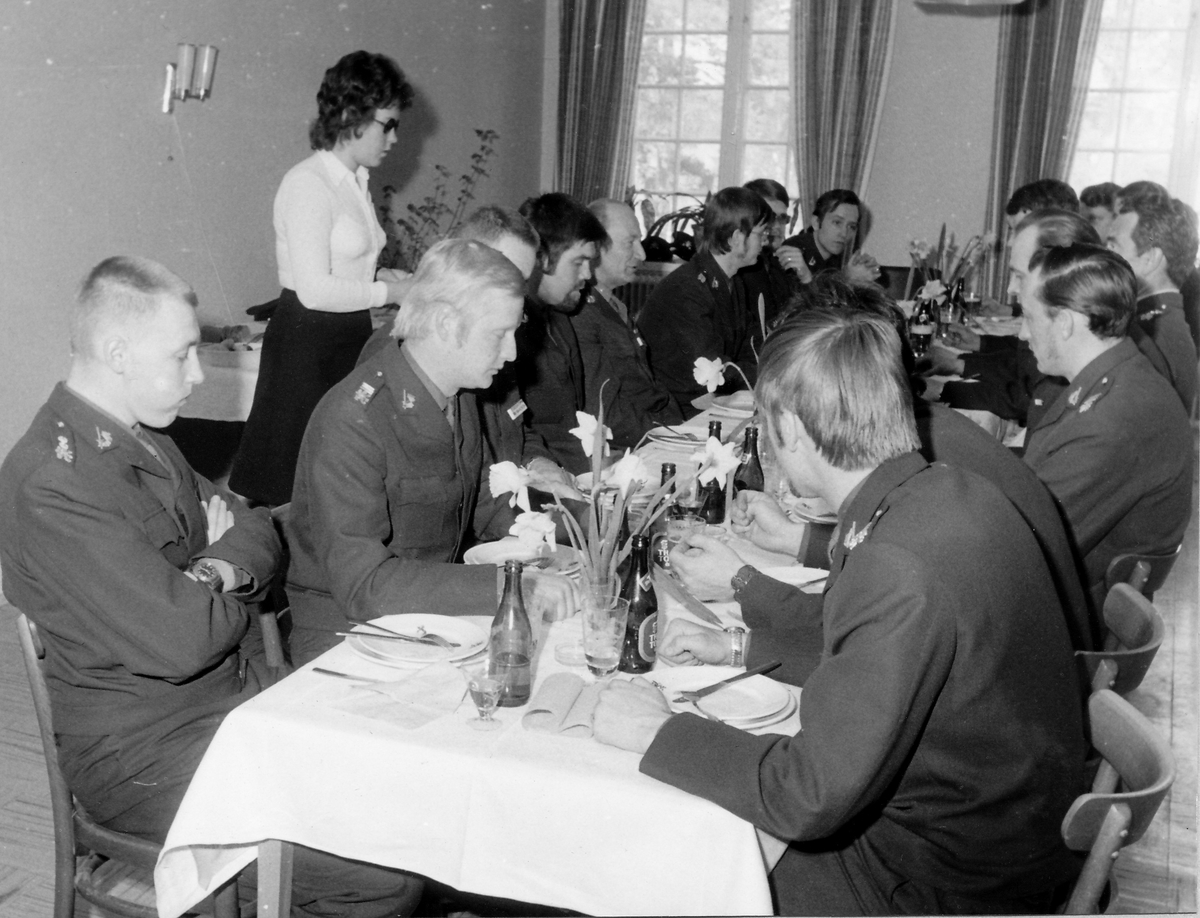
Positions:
{"x": 1045, "y": 59}
{"x": 599, "y": 46}
{"x": 841, "y": 55}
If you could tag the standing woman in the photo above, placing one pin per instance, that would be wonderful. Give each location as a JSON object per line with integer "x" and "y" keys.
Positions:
{"x": 327, "y": 241}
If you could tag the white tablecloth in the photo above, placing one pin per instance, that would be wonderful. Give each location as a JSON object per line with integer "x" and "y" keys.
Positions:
{"x": 529, "y": 816}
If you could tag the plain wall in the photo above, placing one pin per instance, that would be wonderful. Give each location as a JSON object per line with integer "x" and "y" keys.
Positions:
{"x": 933, "y": 154}
{"x": 91, "y": 167}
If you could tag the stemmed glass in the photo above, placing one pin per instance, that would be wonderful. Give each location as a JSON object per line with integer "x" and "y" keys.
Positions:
{"x": 485, "y": 692}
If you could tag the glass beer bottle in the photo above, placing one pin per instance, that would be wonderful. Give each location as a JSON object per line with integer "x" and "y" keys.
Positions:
{"x": 712, "y": 494}
{"x": 641, "y": 629}
{"x": 510, "y": 649}
{"x": 749, "y": 475}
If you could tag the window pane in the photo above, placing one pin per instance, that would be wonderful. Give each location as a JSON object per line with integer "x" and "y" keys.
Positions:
{"x": 704, "y": 60}
{"x": 698, "y": 167}
{"x": 766, "y": 115}
{"x": 768, "y": 60}
{"x": 764, "y": 161}
{"x": 654, "y": 165}
{"x": 1099, "y": 125}
{"x": 701, "y": 114}
{"x": 657, "y": 113}
{"x": 770, "y": 15}
{"x": 664, "y": 15}
{"x": 1108, "y": 66}
{"x": 707, "y": 15}
{"x": 1161, "y": 14}
{"x": 1146, "y": 121}
{"x": 1136, "y": 167}
{"x": 1155, "y": 60}
{"x": 1116, "y": 13}
{"x": 661, "y": 59}
{"x": 1091, "y": 167}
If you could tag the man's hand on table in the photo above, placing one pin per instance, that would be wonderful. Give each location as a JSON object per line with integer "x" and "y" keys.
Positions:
{"x": 759, "y": 518}
{"x": 706, "y": 565}
{"x": 944, "y": 362}
{"x": 933, "y": 389}
{"x": 963, "y": 338}
{"x": 629, "y": 714}
{"x": 551, "y": 596}
{"x": 686, "y": 643}
{"x": 861, "y": 268}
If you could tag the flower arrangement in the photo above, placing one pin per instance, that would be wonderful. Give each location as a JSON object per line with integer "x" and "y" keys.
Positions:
{"x": 710, "y": 372}
{"x": 412, "y": 231}
{"x": 946, "y": 263}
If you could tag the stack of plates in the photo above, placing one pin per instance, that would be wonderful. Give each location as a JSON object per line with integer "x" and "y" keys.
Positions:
{"x": 472, "y": 641}
{"x": 741, "y": 402}
{"x": 679, "y": 437}
{"x": 808, "y": 510}
{"x": 563, "y": 560}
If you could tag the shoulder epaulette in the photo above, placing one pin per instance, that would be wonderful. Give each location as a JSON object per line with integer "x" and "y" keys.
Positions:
{"x": 64, "y": 442}
{"x": 366, "y": 389}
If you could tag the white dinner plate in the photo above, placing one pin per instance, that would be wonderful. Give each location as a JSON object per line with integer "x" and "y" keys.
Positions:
{"x": 675, "y": 438}
{"x": 469, "y": 636}
{"x": 808, "y": 510}
{"x": 753, "y": 702}
{"x": 742, "y": 400}
{"x": 563, "y": 560}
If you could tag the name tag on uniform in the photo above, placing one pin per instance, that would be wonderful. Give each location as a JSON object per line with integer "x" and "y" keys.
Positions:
{"x": 516, "y": 409}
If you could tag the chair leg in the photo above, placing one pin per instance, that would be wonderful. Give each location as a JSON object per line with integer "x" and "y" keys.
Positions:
{"x": 225, "y": 900}
{"x": 64, "y": 878}
{"x": 1098, "y": 865}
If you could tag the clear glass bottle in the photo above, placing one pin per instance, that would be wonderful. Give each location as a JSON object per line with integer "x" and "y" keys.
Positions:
{"x": 510, "y": 649}
{"x": 639, "y": 651}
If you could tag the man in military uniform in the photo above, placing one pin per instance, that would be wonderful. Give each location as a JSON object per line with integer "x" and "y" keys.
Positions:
{"x": 612, "y": 350}
{"x": 1115, "y": 446}
{"x": 827, "y": 244}
{"x": 943, "y": 729}
{"x": 389, "y": 472}
{"x": 136, "y": 571}
{"x": 694, "y": 312}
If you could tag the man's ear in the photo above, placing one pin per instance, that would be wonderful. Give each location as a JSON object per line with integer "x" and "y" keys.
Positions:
{"x": 815, "y": 222}
{"x": 445, "y": 324}
{"x": 1153, "y": 261}
{"x": 114, "y": 351}
{"x": 789, "y": 428}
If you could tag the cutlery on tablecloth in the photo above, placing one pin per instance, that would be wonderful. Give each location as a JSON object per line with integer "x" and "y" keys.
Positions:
{"x": 408, "y": 638}
{"x": 671, "y": 585}
{"x": 422, "y": 636}
{"x": 695, "y": 695}
{"x": 334, "y": 672}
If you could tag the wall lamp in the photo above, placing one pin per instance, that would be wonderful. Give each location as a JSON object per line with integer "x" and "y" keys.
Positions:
{"x": 191, "y": 76}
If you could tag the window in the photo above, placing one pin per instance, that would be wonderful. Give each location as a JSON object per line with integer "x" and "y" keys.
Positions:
{"x": 1136, "y": 115}
{"x": 713, "y": 104}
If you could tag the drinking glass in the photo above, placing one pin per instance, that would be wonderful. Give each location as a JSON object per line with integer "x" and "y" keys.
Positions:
{"x": 604, "y": 618}
{"x": 681, "y": 525}
{"x": 485, "y": 692}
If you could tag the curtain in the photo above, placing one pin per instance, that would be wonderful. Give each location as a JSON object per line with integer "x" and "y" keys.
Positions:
{"x": 841, "y": 53}
{"x": 599, "y": 45}
{"x": 1044, "y": 61}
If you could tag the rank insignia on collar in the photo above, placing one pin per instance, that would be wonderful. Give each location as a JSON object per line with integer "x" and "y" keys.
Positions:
{"x": 1038, "y": 402}
{"x": 63, "y": 450}
{"x": 363, "y": 393}
{"x": 702, "y": 277}
{"x": 516, "y": 409}
{"x": 407, "y": 400}
{"x": 715, "y": 284}
{"x": 1073, "y": 398}
{"x": 103, "y": 439}
{"x": 1089, "y": 401}
{"x": 854, "y": 539}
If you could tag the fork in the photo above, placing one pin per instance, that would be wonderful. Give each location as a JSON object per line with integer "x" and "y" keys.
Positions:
{"x": 696, "y": 694}
{"x": 421, "y": 635}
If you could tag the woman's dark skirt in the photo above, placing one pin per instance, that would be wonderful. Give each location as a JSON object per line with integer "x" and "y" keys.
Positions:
{"x": 305, "y": 352}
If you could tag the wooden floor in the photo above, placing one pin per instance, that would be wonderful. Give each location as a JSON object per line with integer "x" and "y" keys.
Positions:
{"x": 1158, "y": 875}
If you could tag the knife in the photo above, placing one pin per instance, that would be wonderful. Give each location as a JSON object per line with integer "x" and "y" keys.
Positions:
{"x": 669, "y": 584}
{"x": 693, "y": 695}
{"x": 388, "y": 637}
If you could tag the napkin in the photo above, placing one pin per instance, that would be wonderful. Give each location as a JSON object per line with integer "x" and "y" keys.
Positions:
{"x": 431, "y": 692}
{"x": 563, "y": 704}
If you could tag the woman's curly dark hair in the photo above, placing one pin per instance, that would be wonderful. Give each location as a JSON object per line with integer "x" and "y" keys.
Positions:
{"x": 353, "y": 89}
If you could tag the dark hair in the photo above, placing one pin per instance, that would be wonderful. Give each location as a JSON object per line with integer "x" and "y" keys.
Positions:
{"x": 770, "y": 189}
{"x": 1165, "y": 225}
{"x": 1088, "y": 279}
{"x": 1136, "y": 193}
{"x": 1102, "y": 195}
{"x": 832, "y": 200}
{"x": 352, "y": 91}
{"x": 1042, "y": 194}
{"x": 561, "y": 222}
{"x": 729, "y": 210}
{"x": 839, "y": 371}
{"x": 489, "y": 224}
{"x": 1057, "y": 228}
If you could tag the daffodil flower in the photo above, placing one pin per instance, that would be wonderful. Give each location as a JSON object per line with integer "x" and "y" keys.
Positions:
{"x": 717, "y": 460}
{"x": 586, "y": 432}
{"x": 629, "y": 473}
{"x": 932, "y": 290}
{"x": 534, "y": 529}
{"x": 506, "y": 477}
{"x": 709, "y": 372}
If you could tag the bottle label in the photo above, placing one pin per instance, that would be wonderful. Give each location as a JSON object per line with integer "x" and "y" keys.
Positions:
{"x": 648, "y": 638}
{"x": 646, "y": 583}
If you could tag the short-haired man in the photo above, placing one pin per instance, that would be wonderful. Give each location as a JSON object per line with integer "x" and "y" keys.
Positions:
{"x": 1159, "y": 241}
{"x": 1098, "y": 204}
{"x": 1043, "y": 194}
{"x": 137, "y": 572}
{"x": 549, "y": 369}
{"x": 389, "y": 472}
{"x": 768, "y": 278}
{"x": 943, "y": 729}
{"x": 1114, "y": 447}
{"x": 829, "y": 241}
{"x": 696, "y": 310}
{"x": 613, "y": 352}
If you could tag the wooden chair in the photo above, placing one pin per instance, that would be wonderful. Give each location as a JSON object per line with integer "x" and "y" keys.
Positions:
{"x": 1145, "y": 573}
{"x": 1135, "y": 630}
{"x": 112, "y": 870}
{"x": 1104, "y": 821}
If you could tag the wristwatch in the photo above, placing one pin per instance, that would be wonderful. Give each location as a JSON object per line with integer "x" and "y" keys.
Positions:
{"x": 741, "y": 579}
{"x": 206, "y": 572}
{"x": 739, "y": 644}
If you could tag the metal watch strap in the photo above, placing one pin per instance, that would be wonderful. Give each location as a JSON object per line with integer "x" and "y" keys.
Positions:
{"x": 739, "y": 645}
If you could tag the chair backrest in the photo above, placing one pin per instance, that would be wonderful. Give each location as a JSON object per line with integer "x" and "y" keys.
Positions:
{"x": 1135, "y": 631}
{"x": 1105, "y": 820}
{"x": 1145, "y": 573}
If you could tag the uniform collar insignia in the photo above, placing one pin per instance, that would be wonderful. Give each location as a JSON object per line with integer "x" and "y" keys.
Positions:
{"x": 1073, "y": 398}
{"x": 407, "y": 400}
{"x": 63, "y": 450}
{"x": 702, "y": 277}
{"x": 363, "y": 393}
{"x": 103, "y": 439}
{"x": 1089, "y": 401}
{"x": 715, "y": 284}
{"x": 854, "y": 539}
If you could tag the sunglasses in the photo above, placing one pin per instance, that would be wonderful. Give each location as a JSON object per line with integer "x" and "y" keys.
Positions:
{"x": 388, "y": 126}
